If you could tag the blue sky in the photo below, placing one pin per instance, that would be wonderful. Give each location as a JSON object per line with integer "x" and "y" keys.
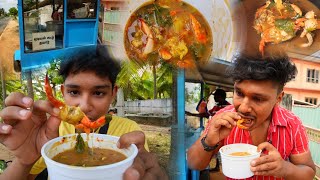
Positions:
{"x": 7, "y": 4}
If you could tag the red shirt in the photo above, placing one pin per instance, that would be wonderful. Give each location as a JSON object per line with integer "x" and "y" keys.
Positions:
{"x": 286, "y": 133}
{"x": 218, "y": 107}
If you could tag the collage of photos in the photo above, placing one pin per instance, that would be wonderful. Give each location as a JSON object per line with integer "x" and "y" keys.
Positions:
{"x": 159, "y": 89}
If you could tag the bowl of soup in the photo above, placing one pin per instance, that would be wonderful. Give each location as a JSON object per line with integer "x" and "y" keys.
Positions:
{"x": 173, "y": 32}
{"x": 101, "y": 159}
{"x": 236, "y": 158}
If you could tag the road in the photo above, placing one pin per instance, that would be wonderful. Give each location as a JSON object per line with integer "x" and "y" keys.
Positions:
{"x": 3, "y": 23}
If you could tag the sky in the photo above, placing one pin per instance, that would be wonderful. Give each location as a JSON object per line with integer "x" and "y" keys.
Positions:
{"x": 7, "y": 4}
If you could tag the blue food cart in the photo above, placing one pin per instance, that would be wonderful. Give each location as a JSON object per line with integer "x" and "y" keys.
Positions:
{"x": 54, "y": 28}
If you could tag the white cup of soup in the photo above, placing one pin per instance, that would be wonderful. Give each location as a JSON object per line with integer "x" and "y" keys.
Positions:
{"x": 82, "y": 166}
{"x": 236, "y": 158}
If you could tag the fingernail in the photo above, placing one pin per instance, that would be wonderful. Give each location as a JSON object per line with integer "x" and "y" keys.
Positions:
{"x": 5, "y": 128}
{"x": 253, "y": 163}
{"x": 26, "y": 100}
{"x": 23, "y": 112}
{"x": 56, "y": 111}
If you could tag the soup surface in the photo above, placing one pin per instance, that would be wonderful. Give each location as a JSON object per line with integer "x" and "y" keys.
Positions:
{"x": 87, "y": 159}
{"x": 168, "y": 31}
{"x": 240, "y": 154}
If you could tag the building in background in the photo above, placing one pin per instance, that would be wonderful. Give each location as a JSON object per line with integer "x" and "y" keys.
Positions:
{"x": 306, "y": 86}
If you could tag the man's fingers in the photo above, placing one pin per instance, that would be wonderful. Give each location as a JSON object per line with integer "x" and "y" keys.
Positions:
{"x": 266, "y": 146}
{"x": 266, "y": 166}
{"x": 262, "y": 160}
{"x": 134, "y": 137}
{"x": 227, "y": 119}
{"x": 18, "y": 99}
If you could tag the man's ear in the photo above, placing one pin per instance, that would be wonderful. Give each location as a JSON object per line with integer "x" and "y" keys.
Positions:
{"x": 279, "y": 98}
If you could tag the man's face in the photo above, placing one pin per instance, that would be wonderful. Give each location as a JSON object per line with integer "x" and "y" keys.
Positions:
{"x": 255, "y": 100}
{"x": 90, "y": 92}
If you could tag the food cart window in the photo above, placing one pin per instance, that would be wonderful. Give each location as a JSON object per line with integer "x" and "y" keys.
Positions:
{"x": 81, "y": 9}
{"x": 43, "y": 25}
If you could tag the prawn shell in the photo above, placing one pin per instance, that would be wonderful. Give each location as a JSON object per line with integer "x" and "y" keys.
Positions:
{"x": 71, "y": 114}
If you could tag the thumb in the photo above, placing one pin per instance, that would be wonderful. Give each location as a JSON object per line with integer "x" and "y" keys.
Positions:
{"x": 265, "y": 146}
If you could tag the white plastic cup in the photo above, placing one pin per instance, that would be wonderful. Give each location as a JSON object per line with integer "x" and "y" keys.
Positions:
{"x": 238, "y": 167}
{"x": 59, "y": 171}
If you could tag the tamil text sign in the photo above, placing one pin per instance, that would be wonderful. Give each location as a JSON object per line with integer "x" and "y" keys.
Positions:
{"x": 43, "y": 41}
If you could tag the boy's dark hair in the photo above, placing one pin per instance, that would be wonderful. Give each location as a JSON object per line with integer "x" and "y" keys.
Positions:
{"x": 279, "y": 70}
{"x": 95, "y": 60}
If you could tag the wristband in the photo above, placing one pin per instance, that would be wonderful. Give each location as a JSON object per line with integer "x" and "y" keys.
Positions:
{"x": 206, "y": 147}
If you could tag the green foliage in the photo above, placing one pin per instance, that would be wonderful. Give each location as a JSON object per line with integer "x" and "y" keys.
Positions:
{"x": 163, "y": 16}
{"x": 11, "y": 86}
{"x": 28, "y": 4}
{"x": 38, "y": 77}
{"x": 137, "y": 82}
{"x": 13, "y": 11}
{"x": 192, "y": 95}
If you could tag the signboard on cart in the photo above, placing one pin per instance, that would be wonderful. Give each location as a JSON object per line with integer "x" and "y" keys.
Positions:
{"x": 43, "y": 41}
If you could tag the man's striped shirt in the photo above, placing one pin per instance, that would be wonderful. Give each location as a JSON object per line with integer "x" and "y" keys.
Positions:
{"x": 286, "y": 133}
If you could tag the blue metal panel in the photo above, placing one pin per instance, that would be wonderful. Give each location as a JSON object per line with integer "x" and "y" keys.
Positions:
{"x": 309, "y": 116}
{"x": 181, "y": 154}
{"x": 21, "y": 31}
{"x": 80, "y": 33}
{"x": 314, "y": 149}
{"x": 36, "y": 60}
{"x": 17, "y": 55}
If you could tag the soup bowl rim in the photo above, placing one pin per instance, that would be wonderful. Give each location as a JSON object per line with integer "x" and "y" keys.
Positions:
{"x": 255, "y": 153}
{"x": 113, "y": 165}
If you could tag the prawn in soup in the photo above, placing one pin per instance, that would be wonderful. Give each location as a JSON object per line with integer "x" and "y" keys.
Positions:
{"x": 88, "y": 158}
{"x": 169, "y": 31}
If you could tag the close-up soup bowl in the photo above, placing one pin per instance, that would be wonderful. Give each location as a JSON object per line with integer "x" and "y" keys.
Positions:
{"x": 175, "y": 32}
{"x": 236, "y": 158}
{"x": 57, "y": 171}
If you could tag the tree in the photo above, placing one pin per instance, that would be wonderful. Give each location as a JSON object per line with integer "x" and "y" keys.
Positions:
{"x": 13, "y": 12}
{"x": 2, "y": 12}
{"x": 142, "y": 80}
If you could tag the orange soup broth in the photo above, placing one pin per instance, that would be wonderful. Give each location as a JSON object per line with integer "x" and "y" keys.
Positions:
{"x": 89, "y": 158}
{"x": 240, "y": 154}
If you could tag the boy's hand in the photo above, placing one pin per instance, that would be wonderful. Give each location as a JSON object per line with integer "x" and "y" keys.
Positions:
{"x": 145, "y": 165}
{"x": 25, "y": 126}
{"x": 220, "y": 126}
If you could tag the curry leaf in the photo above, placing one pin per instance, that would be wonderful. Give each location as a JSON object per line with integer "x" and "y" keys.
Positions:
{"x": 163, "y": 17}
{"x": 80, "y": 145}
{"x": 286, "y": 25}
